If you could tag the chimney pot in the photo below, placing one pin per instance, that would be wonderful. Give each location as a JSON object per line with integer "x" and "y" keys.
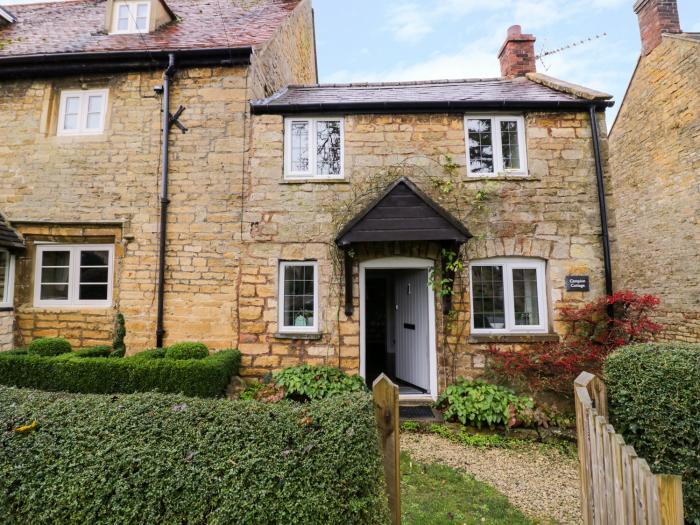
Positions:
{"x": 517, "y": 54}
{"x": 655, "y": 18}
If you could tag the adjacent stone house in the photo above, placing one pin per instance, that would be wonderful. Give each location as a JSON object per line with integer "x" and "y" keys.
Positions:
{"x": 655, "y": 163}
{"x": 81, "y": 150}
{"x": 398, "y": 227}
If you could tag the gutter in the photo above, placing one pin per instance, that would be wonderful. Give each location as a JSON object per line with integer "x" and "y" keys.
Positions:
{"x": 167, "y": 79}
{"x": 601, "y": 204}
{"x": 63, "y": 64}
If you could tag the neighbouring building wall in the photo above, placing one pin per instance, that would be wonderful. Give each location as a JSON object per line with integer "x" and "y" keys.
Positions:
{"x": 7, "y": 334}
{"x": 655, "y": 161}
{"x": 78, "y": 189}
{"x": 289, "y": 57}
{"x": 552, "y": 215}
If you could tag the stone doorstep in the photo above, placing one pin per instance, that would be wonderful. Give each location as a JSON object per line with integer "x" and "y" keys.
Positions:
{"x": 436, "y": 417}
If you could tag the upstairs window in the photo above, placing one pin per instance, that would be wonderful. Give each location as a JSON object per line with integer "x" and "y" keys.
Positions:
{"x": 7, "y": 273}
{"x": 82, "y": 112}
{"x": 131, "y": 17}
{"x": 495, "y": 145}
{"x": 74, "y": 275}
{"x": 298, "y": 297}
{"x": 313, "y": 148}
{"x": 508, "y": 296}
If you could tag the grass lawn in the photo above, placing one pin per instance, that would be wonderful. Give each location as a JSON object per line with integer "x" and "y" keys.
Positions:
{"x": 435, "y": 494}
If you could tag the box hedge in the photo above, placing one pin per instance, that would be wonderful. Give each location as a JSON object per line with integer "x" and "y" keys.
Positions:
{"x": 153, "y": 458}
{"x": 654, "y": 395}
{"x": 187, "y": 350}
{"x": 208, "y": 377}
{"x": 49, "y": 346}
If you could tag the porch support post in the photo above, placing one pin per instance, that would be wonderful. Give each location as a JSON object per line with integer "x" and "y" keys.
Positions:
{"x": 348, "y": 281}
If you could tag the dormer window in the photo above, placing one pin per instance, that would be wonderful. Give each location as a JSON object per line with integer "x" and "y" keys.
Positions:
{"x": 131, "y": 17}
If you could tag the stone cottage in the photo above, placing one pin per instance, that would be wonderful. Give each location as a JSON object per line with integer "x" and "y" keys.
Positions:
{"x": 655, "y": 163}
{"x": 398, "y": 227}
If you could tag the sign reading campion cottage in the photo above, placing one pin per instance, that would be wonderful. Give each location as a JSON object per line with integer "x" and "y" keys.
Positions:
{"x": 578, "y": 283}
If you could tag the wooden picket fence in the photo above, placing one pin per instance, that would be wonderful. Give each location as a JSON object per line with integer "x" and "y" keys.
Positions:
{"x": 617, "y": 486}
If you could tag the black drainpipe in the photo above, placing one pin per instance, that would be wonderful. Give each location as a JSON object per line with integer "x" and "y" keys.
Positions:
{"x": 601, "y": 203}
{"x": 167, "y": 77}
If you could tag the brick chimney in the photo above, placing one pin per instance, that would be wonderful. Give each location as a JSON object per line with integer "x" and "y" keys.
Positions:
{"x": 655, "y": 18}
{"x": 517, "y": 54}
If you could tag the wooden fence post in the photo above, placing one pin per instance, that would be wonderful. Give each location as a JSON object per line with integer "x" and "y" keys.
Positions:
{"x": 670, "y": 499}
{"x": 386, "y": 409}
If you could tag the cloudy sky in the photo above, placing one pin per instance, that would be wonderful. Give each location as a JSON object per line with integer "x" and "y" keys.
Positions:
{"x": 384, "y": 40}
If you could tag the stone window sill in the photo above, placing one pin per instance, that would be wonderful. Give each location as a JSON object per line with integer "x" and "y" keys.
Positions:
{"x": 513, "y": 338}
{"x": 505, "y": 178}
{"x": 305, "y": 337}
{"x": 315, "y": 181}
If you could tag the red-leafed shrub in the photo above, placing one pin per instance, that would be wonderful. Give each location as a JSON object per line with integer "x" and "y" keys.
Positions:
{"x": 591, "y": 337}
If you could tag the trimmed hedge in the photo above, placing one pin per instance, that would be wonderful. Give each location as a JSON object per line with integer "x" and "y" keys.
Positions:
{"x": 50, "y": 346}
{"x": 208, "y": 377}
{"x": 654, "y": 396}
{"x": 94, "y": 351}
{"x": 187, "y": 350}
{"x": 152, "y": 458}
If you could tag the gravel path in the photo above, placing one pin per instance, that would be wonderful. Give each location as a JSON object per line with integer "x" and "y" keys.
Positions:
{"x": 542, "y": 484}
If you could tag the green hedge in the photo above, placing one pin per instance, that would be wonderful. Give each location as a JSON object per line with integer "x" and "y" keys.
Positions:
{"x": 152, "y": 458}
{"x": 49, "y": 346}
{"x": 654, "y": 394}
{"x": 206, "y": 377}
{"x": 187, "y": 350}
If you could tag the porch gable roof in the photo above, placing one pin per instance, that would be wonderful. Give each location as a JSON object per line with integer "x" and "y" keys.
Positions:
{"x": 403, "y": 213}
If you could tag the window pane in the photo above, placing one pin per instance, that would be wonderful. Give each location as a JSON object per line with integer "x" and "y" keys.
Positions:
{"x": 94, "y": 275}
{"x": 4, "y": 267}
{"x": 142, "y": 17}
{"x": 54, "y": 292}
{"x": 123, "y": 22}
{"x": 54, "y": 275}
{"x": 93, "y": 292}
{"x": 487, "y": 293}
{"x": 525, "y": 299}
{"x": 298, "y": 303}
{"x": 300, "y": 146}
{"x": 509, "y": 143}
{"x": 70, "y": 118}
{"x": 55, "y": 258}
{"x": 328, "y": 147}
{"x": 480, "y": 145}
{"x": 94, "y": 258}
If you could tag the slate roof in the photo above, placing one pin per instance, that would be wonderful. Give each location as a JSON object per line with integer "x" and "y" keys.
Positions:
{"x": 9, "y": 238}
{"x": 428, "y": 95}
{"x": 77, "y": 26}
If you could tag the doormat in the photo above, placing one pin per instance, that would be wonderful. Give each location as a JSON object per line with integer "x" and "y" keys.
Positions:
{"x": 423, "y": 412}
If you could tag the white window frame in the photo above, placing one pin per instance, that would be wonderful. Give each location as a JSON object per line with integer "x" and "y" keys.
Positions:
{"x": 73, "y": 275}
{"x": 84, "y": 96}
{"x": 509, "y": 264}
{"x": 314, "y": 329}
{"x": 311, "y": 173}
{"x": 6, "y": 300}
{"x": 498, "y": 168}
{"x": 133, "y": 10}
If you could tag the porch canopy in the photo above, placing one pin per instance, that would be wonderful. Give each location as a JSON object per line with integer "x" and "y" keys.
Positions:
{"x": 9, "y": 238}
{"x": 402, "y": 213}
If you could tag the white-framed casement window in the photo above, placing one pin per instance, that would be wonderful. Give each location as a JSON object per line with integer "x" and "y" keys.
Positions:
{"x": 508, "y": 295}
{"x": 74, "y": 275}
{"x": 298, "y": 296}
{"x": 7, "y": 278}
{"x": 131, "y": 17}
{"x": 495, "y": 145}
{"x": 313, "y": 148}
{"x": 82, "y": 112}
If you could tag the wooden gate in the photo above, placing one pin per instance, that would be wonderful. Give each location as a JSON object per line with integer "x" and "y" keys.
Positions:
{"x": 617, "y": 486}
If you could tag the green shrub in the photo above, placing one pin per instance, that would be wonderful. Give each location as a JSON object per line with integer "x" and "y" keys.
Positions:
{"x": 150, "y": 353}
{"x": 152, "y": 458}
{"x": 20, "y": 350}
{"x": 207, "y": 377}
{"x": 307, "y": 382}
{"x": 654, "y": 400}
{"x": 94, "y": 351}
{"x": 478, "y": 403}
{"x": 118, "y": 346}
{"x": 187, "y": 350}
{"x": 49, "y": 346}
